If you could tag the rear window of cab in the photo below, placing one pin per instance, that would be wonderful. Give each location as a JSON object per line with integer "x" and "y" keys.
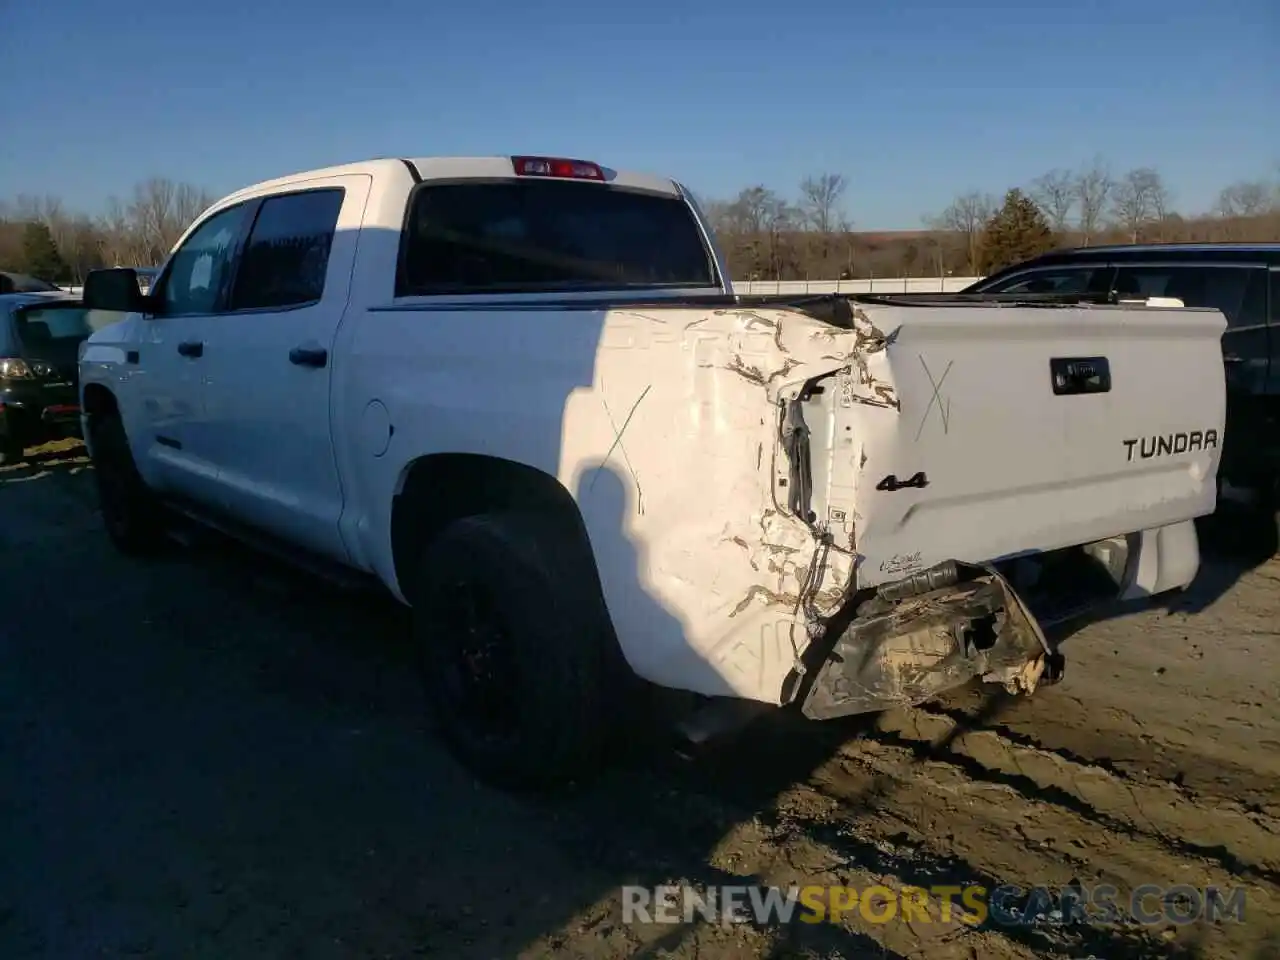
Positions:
{"x": 543, "y": 236}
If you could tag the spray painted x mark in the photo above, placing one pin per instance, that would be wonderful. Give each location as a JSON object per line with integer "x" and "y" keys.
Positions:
{"x": 944, "y": 406}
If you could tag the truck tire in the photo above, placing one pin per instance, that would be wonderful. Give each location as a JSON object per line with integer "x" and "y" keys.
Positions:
{"x": 1273, "y": 518}
{"x": 519, "y": 660}
{"x": 130, "y": 511}
{"x": 11, "y": 452}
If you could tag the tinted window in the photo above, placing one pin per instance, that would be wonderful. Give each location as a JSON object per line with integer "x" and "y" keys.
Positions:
{"x": 285, "y": 260}
{"x": 545, "y": 235}
{"x": 1275, "y": 296}
{"x": 1222, "y": 288}
{"x": 42, "y": 324}
{"x": 199, "y": 272}
{"x": 54, "y": 332}
{"x": 1253, "y": 309}
{"x": 1064, "y": 280}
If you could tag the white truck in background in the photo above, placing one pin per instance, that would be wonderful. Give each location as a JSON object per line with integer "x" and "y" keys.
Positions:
{"x": 518, "y": 394}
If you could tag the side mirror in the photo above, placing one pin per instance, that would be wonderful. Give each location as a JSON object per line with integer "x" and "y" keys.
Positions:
{"x": 116, "y": 289}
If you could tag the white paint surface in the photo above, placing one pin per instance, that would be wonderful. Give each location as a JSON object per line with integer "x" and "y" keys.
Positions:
{"x": 663, "y": 425}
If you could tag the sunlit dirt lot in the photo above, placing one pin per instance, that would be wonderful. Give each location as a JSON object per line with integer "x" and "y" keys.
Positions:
{"x": 209, "y": 756}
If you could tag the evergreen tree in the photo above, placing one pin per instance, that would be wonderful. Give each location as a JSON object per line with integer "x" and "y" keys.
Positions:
{"x": 40, "y": 256}
{"x": 1015, "y": 232}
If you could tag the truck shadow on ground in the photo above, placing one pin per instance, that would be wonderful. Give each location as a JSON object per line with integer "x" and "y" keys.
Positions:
{"x": 320, "y": 807}
{"x": 1232, "y": 543}
{"x": 656, "y": 819}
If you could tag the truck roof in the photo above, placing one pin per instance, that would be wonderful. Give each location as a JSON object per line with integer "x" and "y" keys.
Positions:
{"x": 449, "y": 168}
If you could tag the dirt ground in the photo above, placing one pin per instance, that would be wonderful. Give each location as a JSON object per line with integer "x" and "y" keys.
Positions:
{"x": 210, "y": 756}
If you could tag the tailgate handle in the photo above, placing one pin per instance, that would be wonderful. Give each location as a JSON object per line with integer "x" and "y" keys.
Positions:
{"x": 1076, "y": 375}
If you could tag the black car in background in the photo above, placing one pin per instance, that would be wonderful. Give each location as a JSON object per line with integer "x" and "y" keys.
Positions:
{"x": 1241, "y": 280}
{"x": 21, "y": 283}
{"x": 40, "y": 337}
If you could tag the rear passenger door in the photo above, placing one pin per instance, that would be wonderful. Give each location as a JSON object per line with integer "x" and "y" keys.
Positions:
{"x": 1238, "y": 290}
{"x": 269, "y": 364}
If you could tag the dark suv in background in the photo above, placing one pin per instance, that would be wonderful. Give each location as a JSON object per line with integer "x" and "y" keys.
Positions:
{"x": 40, "y": 337}
{"x": 1241, "y": 280}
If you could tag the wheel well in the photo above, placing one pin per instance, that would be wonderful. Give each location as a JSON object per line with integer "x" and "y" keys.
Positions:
{"x": 441, "y": 488}
{"x": 99, "y": 401}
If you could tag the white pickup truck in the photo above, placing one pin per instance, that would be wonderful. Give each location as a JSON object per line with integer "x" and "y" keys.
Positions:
{"x": 519, "y": 393}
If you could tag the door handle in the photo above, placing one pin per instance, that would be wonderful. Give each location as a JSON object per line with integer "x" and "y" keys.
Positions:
{"x": 309, "y": 356}
{"x": 191, "y": 348}
{"x": 1077, "y": 375}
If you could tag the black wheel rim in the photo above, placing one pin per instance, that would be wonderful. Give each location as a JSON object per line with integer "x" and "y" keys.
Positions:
{"x": 478, "y": 671}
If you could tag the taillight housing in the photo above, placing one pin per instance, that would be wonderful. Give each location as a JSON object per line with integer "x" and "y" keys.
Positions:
{"x": 559, "y": 167}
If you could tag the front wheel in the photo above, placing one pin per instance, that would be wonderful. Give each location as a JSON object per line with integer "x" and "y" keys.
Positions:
{"x": 130, "y": 511}
{"x": 11, "y": 451}
{"x": 517, "y": 651}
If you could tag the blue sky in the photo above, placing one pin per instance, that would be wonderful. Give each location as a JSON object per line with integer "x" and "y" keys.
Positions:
{"x": 913, "y": 100}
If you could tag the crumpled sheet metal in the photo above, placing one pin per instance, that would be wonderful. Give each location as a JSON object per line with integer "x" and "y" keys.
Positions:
{"x": 903, "y": 653}
{"x": 684, "y": 410}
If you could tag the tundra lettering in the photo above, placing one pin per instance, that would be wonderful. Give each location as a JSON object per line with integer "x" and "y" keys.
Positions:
{"x": 1171, "y": 444}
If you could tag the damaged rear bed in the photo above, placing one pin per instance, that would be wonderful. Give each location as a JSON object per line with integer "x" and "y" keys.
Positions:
{"x": 848, "y": 502}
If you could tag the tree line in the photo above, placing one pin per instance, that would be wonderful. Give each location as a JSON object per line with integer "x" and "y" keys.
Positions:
{"x": 765, "y": 234}
{"x": 40, "y": 236}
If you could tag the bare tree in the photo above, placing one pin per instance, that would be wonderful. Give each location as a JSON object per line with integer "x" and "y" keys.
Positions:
{"x": 1055, "y": 194}
{"x": 820, "y": 200}
{"x": 720, "y": 216}
{"x": 161, "y": 210}
{"x": 72, "y": 235}
{"x": 968, "y": 216}
{"x": 1139, "y": 198}
{"x": 25, "y": 208}
{"x": 935, "y": 256}
{"x": 756, "y": 220}
{"x": 120, "y": 240}
{"x": 759, "y": 209}
{"x": 1245, "y": 199}
{"x": 818, "y": 213}
{"x": 844, "y": 226}
{"x": 1093, "y": 185}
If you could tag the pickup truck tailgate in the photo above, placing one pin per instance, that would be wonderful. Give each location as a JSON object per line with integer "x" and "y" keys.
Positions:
{"x": 1021, "y": 429}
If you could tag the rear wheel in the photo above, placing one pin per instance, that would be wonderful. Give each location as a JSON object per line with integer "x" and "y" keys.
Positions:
{"x": 520, "y": 665}
{"x": 1273, "y": 517}
{"x": 130, "y": 511}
